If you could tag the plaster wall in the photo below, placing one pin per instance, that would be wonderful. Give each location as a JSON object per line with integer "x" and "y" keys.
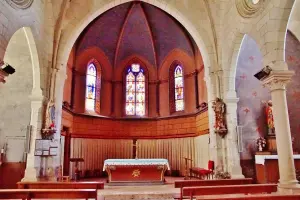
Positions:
{"x": 16, "y": 107}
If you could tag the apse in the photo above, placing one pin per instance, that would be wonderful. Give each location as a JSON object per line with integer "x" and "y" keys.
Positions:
{"x": 135, "y": 86}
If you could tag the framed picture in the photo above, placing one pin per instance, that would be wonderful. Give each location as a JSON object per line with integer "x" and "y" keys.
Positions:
{"x": 53, "y": 151}
{"x": 38, "y": 152}
{"x": 45, "y": 152}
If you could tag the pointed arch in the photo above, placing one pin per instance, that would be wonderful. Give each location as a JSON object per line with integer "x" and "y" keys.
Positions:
{"x": 135, "y": 90}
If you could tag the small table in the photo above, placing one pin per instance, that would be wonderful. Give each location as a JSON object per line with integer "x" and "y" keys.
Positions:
{"x": 76, "y": 171}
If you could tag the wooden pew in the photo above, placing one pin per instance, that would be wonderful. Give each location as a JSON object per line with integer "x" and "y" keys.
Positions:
{"x": 189, "y": 183}
{"x": 258, "y": 197}
{"x": 61, "y": 185}
{"x": 48, "y": 194}
{"x": 228, "y": 189}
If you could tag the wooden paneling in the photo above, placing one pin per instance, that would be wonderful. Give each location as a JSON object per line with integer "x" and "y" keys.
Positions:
{"x": 10, "y": 174}
{"x": 60, "y": 185}
{"x": 85, "y": 126}
{"x": 269, "y": 172}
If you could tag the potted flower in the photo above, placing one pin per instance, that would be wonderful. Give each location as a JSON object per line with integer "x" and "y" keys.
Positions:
{"x": 261, "y": 143}
{"x": 47, "y": 133}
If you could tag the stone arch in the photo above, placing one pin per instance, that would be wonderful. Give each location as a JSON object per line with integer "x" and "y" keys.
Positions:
{"x": 174, "y": 57}
{"x": 36, "y": 90}
{"x": 237, "y": 44}
{"x": 268, "y": 30}
{"x": 22, "y": 92}
{"x": 149, "y": 69}
{"x": 294, "y": 20}
{"x": 200, "y": 36}
{"x": 104, "y": 68}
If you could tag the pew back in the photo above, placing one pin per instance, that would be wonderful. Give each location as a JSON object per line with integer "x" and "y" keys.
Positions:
{"x": 61, "y": 185}
{"x": 48, "y": 194}
{"x": 189, "y": 183}
{"x": 229, "y": 189}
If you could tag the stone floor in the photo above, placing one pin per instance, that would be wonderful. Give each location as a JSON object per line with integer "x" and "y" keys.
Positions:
{"x": 139, "y": 192}
{"x": 143, "y": 192}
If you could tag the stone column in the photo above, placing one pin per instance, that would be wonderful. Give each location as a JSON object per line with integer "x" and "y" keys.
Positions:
{"x": 277, "y": 82}
{"x": 33, "y": 162}
{"x": 215, "y": 143}
{"x": 231, "y": 139}
{"x": 55, "y": 161}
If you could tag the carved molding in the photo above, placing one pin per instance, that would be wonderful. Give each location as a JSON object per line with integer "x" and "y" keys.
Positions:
{"x": 249, "y": 8}
{"x": 278, "y": 80}
{"x": 19, "y": 4}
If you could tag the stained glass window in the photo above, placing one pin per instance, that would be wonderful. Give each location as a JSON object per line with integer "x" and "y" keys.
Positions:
{"x": 135, "y": 91}
{"x": 178, "y": 77}
{"x": 90, "y": 87}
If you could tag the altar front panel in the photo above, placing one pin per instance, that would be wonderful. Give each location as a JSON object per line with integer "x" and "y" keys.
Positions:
{"x": 267, "y": 169}
{"x": 136, "y": 170}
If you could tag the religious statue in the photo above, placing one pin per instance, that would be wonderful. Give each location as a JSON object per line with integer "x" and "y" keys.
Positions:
{"x": 270, "y": 119}
{"x": 50, "y": 128}
{"x": 220, "y": 110}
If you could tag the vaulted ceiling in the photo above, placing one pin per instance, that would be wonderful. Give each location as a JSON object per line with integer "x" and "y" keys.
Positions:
{"x": 136, "y": 28}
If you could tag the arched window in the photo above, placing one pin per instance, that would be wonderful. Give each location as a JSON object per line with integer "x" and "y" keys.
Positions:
{"x": 135, "y": 91}
{"x": 90, "y": 97}
{"x": 179, "y": 89}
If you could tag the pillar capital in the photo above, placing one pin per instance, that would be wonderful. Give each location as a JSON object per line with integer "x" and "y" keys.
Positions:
{"x": 278, "y": 79}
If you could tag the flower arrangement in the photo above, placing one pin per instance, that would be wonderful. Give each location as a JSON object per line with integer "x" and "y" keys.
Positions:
{"x": 261, "y": 143}
{"x": 47, "y": 133}
{"x": 222, "y": 175}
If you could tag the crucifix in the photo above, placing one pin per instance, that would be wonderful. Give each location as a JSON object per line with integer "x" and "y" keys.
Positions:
{"x": 134, "y": 149}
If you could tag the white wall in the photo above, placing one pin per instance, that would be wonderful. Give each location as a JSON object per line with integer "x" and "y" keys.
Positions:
{"x": 15, "y": 106}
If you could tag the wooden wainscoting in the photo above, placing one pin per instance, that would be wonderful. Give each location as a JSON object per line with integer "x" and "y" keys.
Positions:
{"x": 10, "y": 174}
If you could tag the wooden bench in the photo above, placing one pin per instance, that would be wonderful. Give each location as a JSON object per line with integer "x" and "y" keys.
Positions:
{"x": 228, "y": 189}
{"x": 61, "y": 185}
{"x": 48, "y": 194}
{"x": 189, "y": 183}
{"x": 257, "y": 197}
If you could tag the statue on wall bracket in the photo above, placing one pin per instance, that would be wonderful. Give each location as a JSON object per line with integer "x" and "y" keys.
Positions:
{"x": 220, "y": 118}
{"x": 50, "y": 128}
{"x": 269, "y": 117}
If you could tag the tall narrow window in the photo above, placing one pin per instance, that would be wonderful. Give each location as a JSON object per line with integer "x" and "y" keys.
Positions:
{"x": 135, "y": 91}
{"x": 178, "y": 77}
{"x": 90, "y": 87}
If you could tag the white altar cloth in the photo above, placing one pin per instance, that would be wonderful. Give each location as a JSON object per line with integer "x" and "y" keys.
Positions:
{"x": 123, "y": 162}
{"x": 260, "y": 159}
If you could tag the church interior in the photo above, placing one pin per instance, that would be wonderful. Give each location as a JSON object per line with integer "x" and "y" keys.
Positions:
{"x": 149, "y": 99}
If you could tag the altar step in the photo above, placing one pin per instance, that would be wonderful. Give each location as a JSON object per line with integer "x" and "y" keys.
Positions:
{"x": 137, "y": 197}
{"x": 140, "y": 192}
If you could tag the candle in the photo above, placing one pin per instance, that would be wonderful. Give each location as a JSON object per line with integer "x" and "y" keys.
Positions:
{"x": 2, "y": 150}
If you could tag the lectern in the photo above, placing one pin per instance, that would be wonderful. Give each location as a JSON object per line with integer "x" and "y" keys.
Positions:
{"x": 76, "y": 171}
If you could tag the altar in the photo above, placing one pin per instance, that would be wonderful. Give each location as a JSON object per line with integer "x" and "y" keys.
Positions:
{"x": 124, "y": 171}
{"x": 267, "y": 170}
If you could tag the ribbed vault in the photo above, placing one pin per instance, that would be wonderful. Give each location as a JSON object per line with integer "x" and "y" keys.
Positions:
{"x": 136, "y": 28}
